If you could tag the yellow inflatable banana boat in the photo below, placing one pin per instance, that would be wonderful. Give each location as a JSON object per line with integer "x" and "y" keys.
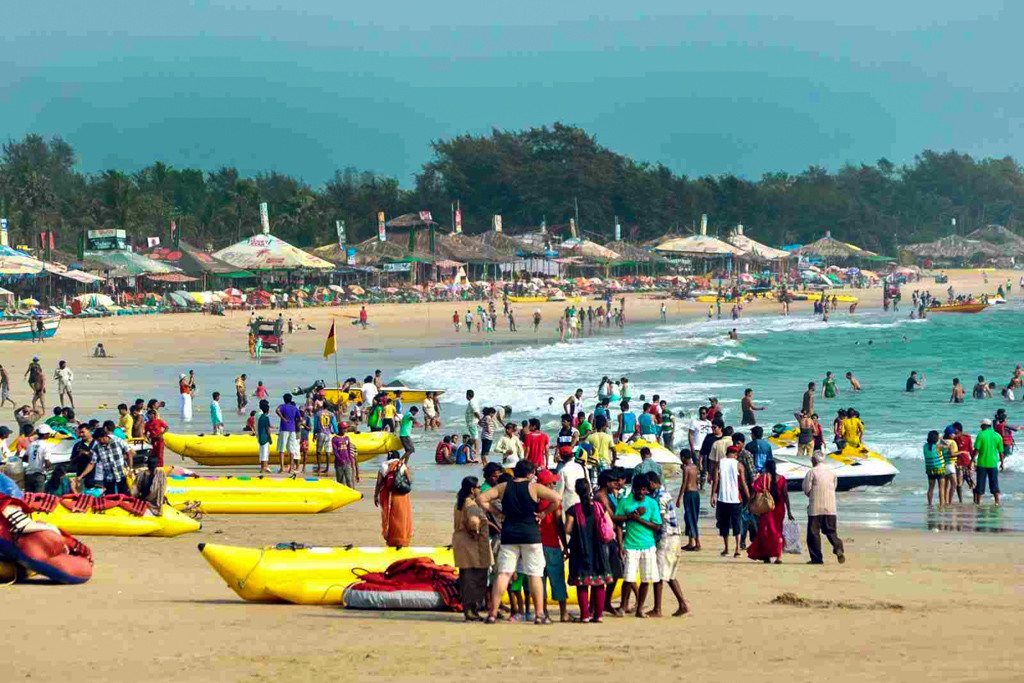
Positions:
{"x": 409, "y": 396}
{"x": 258, "y": 495}
{"x": 305, "y": 576}
{"x": 118, "y": 522}
{"x": 308, "y": 575}
{"x": 628, "y": 454}
{"x": 242, "y": 449}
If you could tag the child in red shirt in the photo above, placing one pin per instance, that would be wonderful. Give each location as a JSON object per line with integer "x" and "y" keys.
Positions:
{"x": 155, "y": 429}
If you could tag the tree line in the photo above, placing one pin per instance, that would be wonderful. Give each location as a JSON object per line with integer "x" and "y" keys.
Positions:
{"x": 538, "y": 175}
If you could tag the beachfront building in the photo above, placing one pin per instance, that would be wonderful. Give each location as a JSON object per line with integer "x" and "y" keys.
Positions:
{"x": 701, "y": 253}
{"x": 197, "y": 265}
{"x": 951, "y": 250}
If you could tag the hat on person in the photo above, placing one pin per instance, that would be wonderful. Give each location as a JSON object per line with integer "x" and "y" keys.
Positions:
{"x": 546, "y": 477}
{"x": 44, "y": 429}
{"x": 948, "y": 432}
{"x": 986, "y": 422}
{"x": 342, "y": 427}
{"x": 35, "y": 357}
{"x": 181, "y": 376}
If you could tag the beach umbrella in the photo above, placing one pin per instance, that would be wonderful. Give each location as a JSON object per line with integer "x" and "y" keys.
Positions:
{"x": 355, "y": 289}
{"x": 336, "y": 288}
{"x": 94, "y": 300}
{"x": 29, "y": 302}
{"x": 231, "y": 291}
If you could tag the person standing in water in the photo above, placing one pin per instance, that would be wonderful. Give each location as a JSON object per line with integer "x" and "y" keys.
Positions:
{"x": 854, "y": 382}
{"x": 958, "y": 393}
{"x": 829, "y": 389}
{"x": 747, "y": 407}
{"x": 914, "y": 383}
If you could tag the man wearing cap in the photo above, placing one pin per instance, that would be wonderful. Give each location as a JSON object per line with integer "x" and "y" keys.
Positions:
{"x": 820, "y": 488}
{"x": 37, "y": 460}
{"x": 37, "y": 381}
{"x": 988, "y": 448}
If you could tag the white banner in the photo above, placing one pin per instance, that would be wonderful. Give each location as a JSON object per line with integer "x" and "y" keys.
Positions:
{"x": 618, "y": 230}
{"x": 152, "y": 242}
{"x": 4, "y": 239}
{"x": 264, "y": 218}
{"x": 496, "y": 222}
{"x": 340, "y": 227}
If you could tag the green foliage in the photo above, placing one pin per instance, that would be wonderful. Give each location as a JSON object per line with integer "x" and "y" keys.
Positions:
{"x": 527, "y": 176}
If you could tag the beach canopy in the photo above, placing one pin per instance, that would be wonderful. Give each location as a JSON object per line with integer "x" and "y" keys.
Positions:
{"x": 266, "y": 252}
{"x": 14, "y": 262}
{"x": 94, "y": 300}
{"x": 954, "y": 247}
{"x": 193, "y": 261}
{"x": 829, "y": 247}
{"x": 755, "y": 248}
{"x": 120, "y": 263}
{"x": 698, "y": 245}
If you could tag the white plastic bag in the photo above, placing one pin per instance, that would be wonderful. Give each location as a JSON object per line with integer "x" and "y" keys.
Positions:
{"x": 791, "y": 537}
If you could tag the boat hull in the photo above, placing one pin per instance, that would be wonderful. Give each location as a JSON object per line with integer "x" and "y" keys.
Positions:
{"x": 959, "y": 308}
{"x": 409, "y": 396}
{"x": 243, "y": 449}
{"x": 21, "y": 330}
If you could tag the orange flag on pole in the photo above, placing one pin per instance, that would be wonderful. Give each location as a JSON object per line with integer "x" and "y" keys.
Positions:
{"x": 331, "y": 345}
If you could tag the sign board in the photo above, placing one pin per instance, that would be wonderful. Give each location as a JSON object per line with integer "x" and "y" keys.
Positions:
{"x": 108, "y": 239}
{"x": 4, "y": 239}
{"x": 458, "y": 220}
{"x": 397, "y": 267}
{"x": 350, "y": 256}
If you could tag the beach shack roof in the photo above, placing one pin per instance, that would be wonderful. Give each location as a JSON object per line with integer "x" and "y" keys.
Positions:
{"x": 829, "y": 247}
{"x": 194, "y": 261}
{"x": 122, "y": 263}
{"x": 508, "y": 245}
{"x": 701, "y": 244}
{"x": 459, "y": 246}
{"x": 754, "y": 248}
{"x": 628, "y": 251}
{"x": 412, "y": 220}
{"x": 586, "y": 249}
{"x": 670, "y": 235}
{"x": 267, "y": 252}
{"x": 15, "y": 263}
{"x": 954, "y": 247}
{"x": 1009, "y": 243}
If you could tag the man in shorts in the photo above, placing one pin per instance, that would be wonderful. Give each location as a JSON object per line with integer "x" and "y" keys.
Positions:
{"x": 726, "y": 487}
{"x": 669, "y": 544}
{"x": 405, "y": 431}
{"x": 988, "y": 449}
{"x": 639, "y": 541}
{"x": 473, "y": 415}
{"x": 324, "y": 426}
{"x": 553, "y": 540}
{"x": 287, "y": 436}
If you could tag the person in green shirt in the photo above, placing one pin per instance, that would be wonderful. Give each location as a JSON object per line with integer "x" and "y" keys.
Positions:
{"x": 829, "y": 389}
{"x": 642, "y": 518}
{"x": 583, "y": 425}
{"x": 405, "y": 431}
{"x": 988, "y": 447}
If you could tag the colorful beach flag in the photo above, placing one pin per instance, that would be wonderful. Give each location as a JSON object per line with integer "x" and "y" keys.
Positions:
{"x": 331, "y": 345}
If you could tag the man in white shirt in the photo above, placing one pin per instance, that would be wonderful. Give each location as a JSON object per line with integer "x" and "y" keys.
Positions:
{"x": 699, "y": 428}
{"x": 473, "y": 415}
{"x": 368, "y": 390}
{"x": 64, "y": 378}
{"x": 37, "y": 460}
{"x": 569, "y": 472}
{"x": 509, "y": 447}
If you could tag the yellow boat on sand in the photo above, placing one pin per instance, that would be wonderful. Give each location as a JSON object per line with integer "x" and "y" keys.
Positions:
{"x": 118, "y": 522}
{"x": 628, "y": 454}
{"x": 258, "y": 495}
{"x": 308, "y": 575}
{"x": 242, "y": 449}
{"x": 527, "y": 299}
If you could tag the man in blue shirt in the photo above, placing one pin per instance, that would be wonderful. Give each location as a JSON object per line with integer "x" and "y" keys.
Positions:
{"x": 760, "y": 448}
{"x": 263, "y": 437}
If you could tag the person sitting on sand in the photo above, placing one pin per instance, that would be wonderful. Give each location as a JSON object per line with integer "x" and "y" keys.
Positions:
{"x": 99, "y": 351}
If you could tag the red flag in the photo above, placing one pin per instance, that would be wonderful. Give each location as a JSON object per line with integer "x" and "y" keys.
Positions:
{"x": 331, "y": 345}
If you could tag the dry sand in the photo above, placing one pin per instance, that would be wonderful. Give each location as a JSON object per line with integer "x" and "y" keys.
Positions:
{"x": 911, "y": 604}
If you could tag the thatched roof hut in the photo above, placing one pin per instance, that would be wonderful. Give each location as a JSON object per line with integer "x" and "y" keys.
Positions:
{"x": 459, "y": 246}
{"x": 954, "y": 247}
{"x": 588, "y": 250}
{"x": 829, "y": 247}
{"x": 628, "y": 251}
{"x": 508, "y": 246}
{"x": 754, "y": 248}
{"x": 1008, "y": 242}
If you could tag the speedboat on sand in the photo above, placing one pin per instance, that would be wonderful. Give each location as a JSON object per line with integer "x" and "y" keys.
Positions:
{"x": 854, "y": 467}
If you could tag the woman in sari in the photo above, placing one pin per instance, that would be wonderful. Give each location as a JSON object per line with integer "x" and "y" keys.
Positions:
{"x": 472, "y": 549}
{"x": 767, "y": 546}
{"x": 394, "y": 503}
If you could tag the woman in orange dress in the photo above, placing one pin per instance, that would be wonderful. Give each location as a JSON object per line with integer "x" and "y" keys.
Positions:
{"x": 394, "y": 502}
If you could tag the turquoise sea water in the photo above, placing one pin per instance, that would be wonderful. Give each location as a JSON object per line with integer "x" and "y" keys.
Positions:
{"x": 685, "y": 361}
{"x": 776, "y": 356}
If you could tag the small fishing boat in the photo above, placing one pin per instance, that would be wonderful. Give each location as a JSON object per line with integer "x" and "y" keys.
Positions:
{"x": 958, "y": 308}
{"x": 527, "y": 299}
{"x": 20, "y": 329}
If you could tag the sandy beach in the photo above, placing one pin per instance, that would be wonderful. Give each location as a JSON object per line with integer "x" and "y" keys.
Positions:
{"x": 918, "y": 604}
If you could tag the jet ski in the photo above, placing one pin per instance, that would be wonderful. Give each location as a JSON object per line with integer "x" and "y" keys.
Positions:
{"x": 854, "y": 466}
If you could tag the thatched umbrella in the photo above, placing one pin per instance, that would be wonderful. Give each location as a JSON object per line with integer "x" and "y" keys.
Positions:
{"x": 954, "y": 247}
{"x": 829, "y": 247}
{"x": 754, "y": 248}
{"x": 1008, "y": 242}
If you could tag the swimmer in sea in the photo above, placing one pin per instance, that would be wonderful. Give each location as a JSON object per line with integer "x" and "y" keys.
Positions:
{"x": 854, "y": 382}
{"x": 957, "y": 396}
{"x": 981, "y": 389}
{"x": 914, "y": 383}
{"x": 733, "y": 335}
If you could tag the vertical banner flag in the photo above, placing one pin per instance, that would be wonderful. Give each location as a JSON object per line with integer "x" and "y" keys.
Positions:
{"x": 174, "y": 233}
{"x": 703, "y": 224}
{"x": 572, "y": 226}
{"x": 543, "y": 226}
{"x": 381, "y": 233}
{"x": 496, "y": 222}
{"x": 618, "y": 230}
{"x": 350, "y": 254}
{"x": 264, "y": 218}
{"x": 4, "y": 238}
{"x": 458, "y": 219}
{"x": 340, "y": 227}
{"x": 331, "y": 345}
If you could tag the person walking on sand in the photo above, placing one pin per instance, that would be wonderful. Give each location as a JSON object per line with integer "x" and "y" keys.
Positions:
{"x": 642, "y": 518}
{"x": 726, "y": 486}
{"x": 241, "y": 393}
{"x": 471, "y": 548}
{"x": 767, "y": 545}
{"x": 589, "y": 562}
{"x": 37, "y": 382}
{"x": 391, "y": 495}
{"x": 689, "y": 499}
{"x": 186, "y": 397}
{"x": 287, "y": 436}
{"x": 64, "y": 377}
{"x": 5, "y": 388}
{"x": 668, "y": 548}
{"x": 820, "y": 488}
{"x": 363, "y": 317}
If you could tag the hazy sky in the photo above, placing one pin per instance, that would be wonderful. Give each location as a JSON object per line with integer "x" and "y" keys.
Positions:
{"x": 309, "y": 86}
